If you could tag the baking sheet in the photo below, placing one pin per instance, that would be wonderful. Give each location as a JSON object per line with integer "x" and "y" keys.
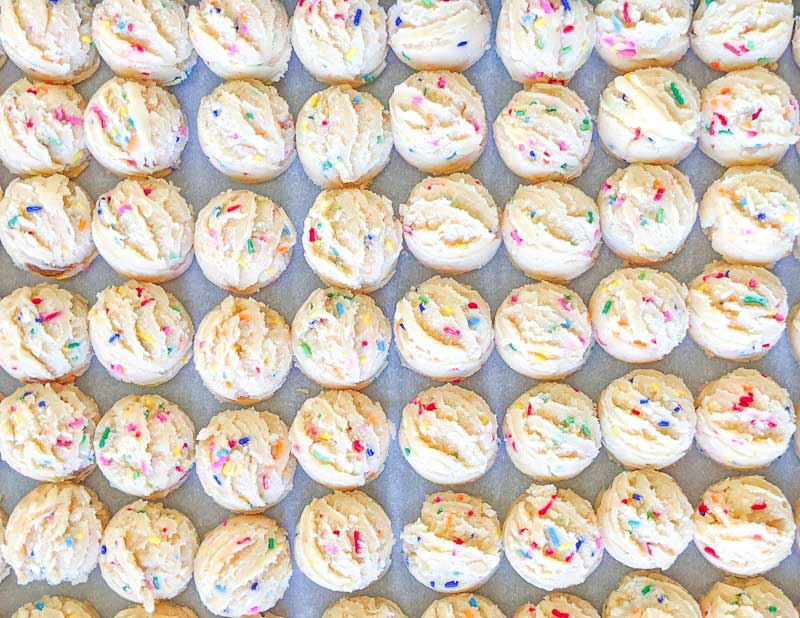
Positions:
{"x": 399, "y": 489}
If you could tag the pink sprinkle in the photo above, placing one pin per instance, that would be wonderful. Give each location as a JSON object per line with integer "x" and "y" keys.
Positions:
{"x": 757, "y": 113}
{"x": 625, "y": 13}
{"x": 100, "y": 116}
{"x": 562, "y": 145}
{"x": 547, "y": 7}
{"x": 440, "y": 83}
{"x": 124, "y": 208}
{"x": 752, "y": 283}
{"x": 452, "y": 331}
{"x": 161, "y": 417}
{"x": 734, "y": 50}
{"x": 659, "y": 194}
{"x": 147, "y": 191}
{"x": 131, "y": 427}
{"x": 104, "y": 460}
{"x": 568, "y": 29}
{"x": 564, "y": 304}
{"x": 514, "y": 298}
{"x": 417, "y": 100}
{"x": 626, "y": 53}
{"x": 165, "y": 330}
{"x": 515, "y": 237}
{"x": 75, "y": 422}
{"x": 779, "y": 317}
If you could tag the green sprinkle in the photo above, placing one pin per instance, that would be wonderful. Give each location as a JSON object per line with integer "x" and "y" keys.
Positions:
{"x": 647, "y": 589}
{"x": 772, "y": 609}
{"x": 607, "y": 307}
{"x": 320, "y": 456}
{"x": 249, "y": 115}
{"x": 660, "y": 216}
{"x": 568, "y": 421}
{"x": 380, "y": 139}
{"x": 271, "y": 543}
{"x": 104, "y": 437}
{"x": 676, "y": 94}
{"x": 566, "y": 50}
{"x": 423, "y": 298}
{"x": 540, "y": 43}
{"x": 586, "y": 124}
{"x": 73, "y": 345}
{"x": 156, "y": 585}
{"x": 306, "y": 349}
{"x": 642, "y": 275}
{"x": 551, "y": 109}
{"x": 176, "y": 308}
{"x": 407, "y": 451}
{"x": 590, "y": 216}
{"x": 13, "y": 221}
{"x": 755, "y": 300}
{"x": 585, "y": 430}
{"x": 250, "y": 246}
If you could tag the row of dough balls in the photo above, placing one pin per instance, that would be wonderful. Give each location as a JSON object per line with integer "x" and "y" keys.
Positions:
{"x": 552, "y": 537}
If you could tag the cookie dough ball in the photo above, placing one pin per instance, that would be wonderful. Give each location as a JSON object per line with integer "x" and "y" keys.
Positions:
{"x": 443, "y": 329}
{"x": 551, "y": 231}
{"x": 53, "y": 534}
{"x": 246, "y": 130}
{"x": 242, "y": 39}
{"x": 46, "y": 432}
{"x": 745, "y": 420}
{"x": 363, "y": 607}
{"x": 47, "y": 229}
{"x": 140, "y": 333}
{"x": 5, "y": 569}
{"x": 243, "y": 351}
{"x": 451, "y": 224}
{"x": 642, "y": 33}
{"x": 163, "y": 609}
{"x": 449, "y": 435}
{"x": 145, "y": 446}
{"x": 243, "y": 460}
{"x": 50, "y": 41}
{"x": 56, "y": 607}
{"x": 341, "y": 42}
{"x": 340, "y": 339}
{"x": 647, "y": 419}
{"x": 558, "y": 604}
{"x": 44, "y": 334}
{"x": 463, "y": 605}
{"x": 341, "y": 438}
{"x": 733, "y": 597}
{"x": 736, "y": 312}
{"x": 552, "y": 432}
{"x": 639, "y": 314}
{"x": 243, "y": 241}
{"x": 649, "y": 116}
{"x": 551, "y": 537}
{"x": 748, "y": 117}
{"x": 545, "y": 41}
{"x": 351, "y": 239}
{"x": 544, "y": 133}
{"x": 144, "y": 39}
{"x": 454, "y": 546}
{"x": 646, "y": 212}
{"x": 344, "y": 137}
{"x": 343, "y": 541}
{"x": 793, "y": 331}
{"x": 243, "y": 566}
{"x": 135, "y": 128}
{"x": 542, "y": 330}
{"x": 438, "y": 122}
{"x": 740, "y": 34}
{"x": 642, "y": 593}
{"x": 751, "y": 215}
{"x": 744, "y": 525}
{"x": 144, "y": 228}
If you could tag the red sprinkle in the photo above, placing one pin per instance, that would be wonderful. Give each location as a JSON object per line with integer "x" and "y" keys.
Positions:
{"x": 312, "y": 235}
{"x": 757, "y": 113}
{"x": 246, "y": 539}
{"x": 659, "y": 194}
{"x": 357, "y": 446}
{"x": 710, "y": 551}
{"x": 557, "y": 613}
{"x": 472, "y": 305}
{"x": 702, "y": 509}
{"x": 357, "y": 541}
{"x": 36, "y": 301}
{"x": 546, "y": 507}
{"x": 759, "y": 506}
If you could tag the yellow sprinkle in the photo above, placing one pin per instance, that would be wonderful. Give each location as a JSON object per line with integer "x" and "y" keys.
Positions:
{"x": 123, "y": 111}
{"x": 362, "y": 359}
{"x": 304, "y": 126}
{"x": 226, "y": 468}
{"x": 367, "y": 318}
{"x": 77, "y": 156}
{"x": 350, "y": 53}
{"x": 106, "y": 23}
{"x": 787, "y": 218}
{"x": 312, "y": 102}
{"x": 388, "y": 244}
{"x": 484, "y": 420}
{"x": 176, "y": 451}
{"x": 325, "y": 436}
{"x": 446, "y": 310}
{"x": 86, "y": 38}
{"x": 145, "y": 337}
{"x": 241, "y": 262}
{"x": 154, "y": 540}
{"x": 539, "y": 23}
{"x": 258, "y": 157}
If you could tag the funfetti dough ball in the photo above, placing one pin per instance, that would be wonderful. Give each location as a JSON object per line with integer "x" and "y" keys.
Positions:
{"x": 649, "y": 116}
{"x": 449, "y": 435}
{"x": 246, "y": 130}
{"x": 646, "y": 593}
{"x": 757, "y": 597}
{"x": 449, "y": 36}
{"x": 542, "y": 330}
{"x": 344, "y": 137}
{"x": 243, "y": 460}
{"x": 46, "y": 432}
{"x": 546, "y": 40}
{"x": 44, "y": 334}
{"x": 642, "y": 33}
{"x": 5, "y": 569}
{"x": 647, "y": 419}
{"x": 340, "y": 42}
{"x": 451, "y": 224}
{"x": 243, "y": 566}
{"x": 50, "y": 41}
{"x": 544, "y": 133}
{"x": 551, "y": 537}
{"x": 363, "y": 607}
{"x": 748, "y": 117}
{"x": 241, "y": 39}
{"x": 42, "y": 127}
{"x": 551, "y": 231}
{"x": 646, "y": 212}
{"x": 163, "y": 609}
{"x": 744, "y": 525}
{"x": 243, "y": 241}
{"x": 438, "y": 122}
{"x": 736, "y": 312}
{"x": 145, "y": 446}
{"x": 144, "y": 228}
{"x": 135, "y": 128}
{"x": 341, "y": 438}
{"x": 443, "y": 329}
{"x": 465, "y": 605}
{"x": 47, "y": 227}
{"x": 56, "y": 607}
{"x": 148, "y": 552}
{"x": 745, "y": 420}
{"x": 454, "y": 545}
{"x": 557, "y": 604}
{"x": 351, "y": 239}
{"x": 53, "y": 534}
{"x": 551, "y": 432}
{"x": 243, "y": 351}
{"x": 639, "y": 314}
{"x": 751, "y": 215}
{"x": 140, "y": 333}
{"x": 340, "y": 339}
{"x": 343, "y": 541}
{"x": 739, "y": 34}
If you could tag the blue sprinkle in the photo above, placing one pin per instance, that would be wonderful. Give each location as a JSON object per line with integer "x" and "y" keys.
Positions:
{"x": 398, "y": 21}
{"x": 524, "y": 554}
{"x": 370, "y": 452}
{"x": 244, "y": 441}
{"x": 578, "y": 545}
{"x": 356, "y": 101}
{"x": 27, "y": 393}
{"x": 567, "y": 324}
{"x": 551, "y": 532}
{"x": 69, "y": 541}
{"x": 381, "y": 346}
{"x": 217, "y": 112}
{"x": 254, "y": 586}
{"x": 42, "y": 404}
{"x": 357, "y": 18}
{"x": 216, "y": 478}
{"x": 566, "y": 5}
{"x": 113, "y": 338}
{"x": 421, "y": 308}
{"x": 644, "y": 401}
{"x": 473, "y": 602}
{"x": 219, "y": 587}
{"x": 761, "y": 216}
{"x": 34, "y": 208}
{"x": 636, "y": 497}
{"x": 462, "y": 44}
{"x": 660, "y": 599}
{"x": 451, "y": 584}
{"x": 532, "y": 154}
{"x": 39, "y": 605}
{"x": 433, "y": 584}
{"x": 616, "y": 23}
{"x": 473, "y": 322}
{"x": 663, "y": 423}
{"x": 340, "y": 308}
{"x": 103, "y": 549}
{"x": 676, "y": 409}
